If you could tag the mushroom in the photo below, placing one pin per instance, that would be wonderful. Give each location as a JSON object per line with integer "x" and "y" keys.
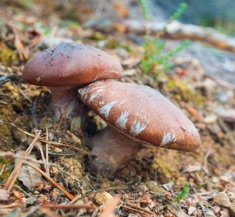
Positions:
{"x": 136, "y": 114}
{"x": 65, "y": 67}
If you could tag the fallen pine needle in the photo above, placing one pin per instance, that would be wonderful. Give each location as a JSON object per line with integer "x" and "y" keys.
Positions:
{"x": 49, "y": 142}
{"x": 67, "y": 206}
{"x": 11, "y": 206}
{"x": 49, "y": 212}
{"x": 138, "y": 209}
{"x": 67, "y": 194}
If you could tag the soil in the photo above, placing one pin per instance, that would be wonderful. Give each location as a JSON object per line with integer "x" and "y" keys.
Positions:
{"x": 151, "y": 183}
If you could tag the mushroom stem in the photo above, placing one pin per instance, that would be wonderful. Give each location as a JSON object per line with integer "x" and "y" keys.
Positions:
{"x": 111, "y": 152}
{"x": 64, "y": 102}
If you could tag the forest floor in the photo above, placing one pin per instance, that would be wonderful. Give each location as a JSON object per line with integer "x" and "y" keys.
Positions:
{"x": 200, "y": 83}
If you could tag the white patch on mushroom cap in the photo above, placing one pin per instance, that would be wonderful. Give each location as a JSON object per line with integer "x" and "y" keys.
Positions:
{"x": 82, "y": 91}
{"x": 105, "y": 110}
{"x": 122, "y": 120}
{"x": 169, "y": 137}
{"x": 93, "y": 96}
{"x": 137, "y": 128}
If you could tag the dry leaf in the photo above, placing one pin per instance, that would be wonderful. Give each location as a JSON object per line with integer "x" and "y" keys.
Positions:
{"x": 4, "y": 195}
{"x": 28, "y": 176}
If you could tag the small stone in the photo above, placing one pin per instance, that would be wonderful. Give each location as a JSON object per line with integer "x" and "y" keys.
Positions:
{"x": 222, "y": 199}
{"x": 58, "y": 150}
{"x": 209, "y": 213}
{"x": 179, "y": 213}
{"x": 103, "y": 198}
{"x": 212, "y": 118}
{"x": 191, "y": 210}
{"x": 192, "y": 168}
{"x": 4, "y": 195}
{"x": 232, "y": 209}
{"x": 152, "y": 186}
{"x": 225, "y": 212}
{"x": 216, "y": 209}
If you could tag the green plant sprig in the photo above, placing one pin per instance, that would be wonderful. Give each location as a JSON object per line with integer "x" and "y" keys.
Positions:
{"x": 183, "y": 193}
{"x": 154, "y": 58}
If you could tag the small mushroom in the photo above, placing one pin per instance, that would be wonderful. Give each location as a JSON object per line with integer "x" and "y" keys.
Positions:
{"x": 65, "y": 67}
{"x": 136, "y": 114}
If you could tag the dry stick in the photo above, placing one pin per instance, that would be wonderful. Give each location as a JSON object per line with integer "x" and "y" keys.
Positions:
{"x": 99, "y": 190}
{"x": 47, "y": 155}
{"x": 67, "y": 194}
{"x": 111, "y": 207}
{"x": 42, "y": 155}
{"x": 134, "y": 210}
{"x": 18, "y": 44}
{"x": 67, "y": 206}
{"x": 140, "y": 209}
{"x": 49, "y": 142}
{"x": 2, "y": 169}
{"x": 11, "y": 206}
{"x": 62, "y": 119}
{"x": 13, "y": 155}
{"x": 12, "y": 178}
{"x": 173, "y": 30}
{"x": 49, "y": 212}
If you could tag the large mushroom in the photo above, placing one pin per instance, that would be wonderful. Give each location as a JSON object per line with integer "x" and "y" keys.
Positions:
{"x": 136, "y": 114}
{"x": 65, "y": 67}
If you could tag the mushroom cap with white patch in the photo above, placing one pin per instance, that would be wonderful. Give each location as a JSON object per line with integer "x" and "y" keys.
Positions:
{"x": 143, "y": 113}
{"x": 70, "y": 64}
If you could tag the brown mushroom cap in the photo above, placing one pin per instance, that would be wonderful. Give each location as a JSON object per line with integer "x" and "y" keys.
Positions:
{"x": 143, "y": 113}
{"x": 70, "y": 64}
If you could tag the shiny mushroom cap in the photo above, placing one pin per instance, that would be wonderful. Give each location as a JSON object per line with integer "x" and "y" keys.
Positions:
{"x": 69, "y": 64}
{"x": 143, "y": 113}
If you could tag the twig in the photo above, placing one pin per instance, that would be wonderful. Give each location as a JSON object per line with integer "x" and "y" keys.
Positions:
{"x": 50, "y": 142}
{"x": 12, "y": 155}
{"x": 67, "y": 194}
{"x": 2, "y": 169}
{"x": 47, "y": 155}
{"x": 3, "y": 103}
{"x": 43, "y": 157}
{"x": 11, "y": 206}
{"x": 142, "y": 209}
{"x": 49, "y": 212}
{"x": 174, "y": 30}
{"x": 6, "y": 78}
{"x": 18, "y": 44}
{"x": 139, "y": 210}
{"x": 32, "y": 210}
{"x": 202, "y": 193}
{"x": 99, "y": 190}
{"x": 67, "y": 206}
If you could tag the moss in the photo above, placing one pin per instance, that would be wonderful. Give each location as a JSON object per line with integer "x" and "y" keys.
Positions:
{"x": 6, "y": 162}
{"x": 7, "y": 56}
{"x": 183, "y": 92}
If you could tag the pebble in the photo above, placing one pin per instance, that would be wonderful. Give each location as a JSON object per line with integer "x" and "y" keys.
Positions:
{"x": 191, "y": 210}
{"x": 103, "y": 198}
{"x": 222, "y": 199}
{"x": 58, "y": 150}
{"x": 152, "y": 186}
{"x": 232, "y": 209}
{"x": 209, "y": 213}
